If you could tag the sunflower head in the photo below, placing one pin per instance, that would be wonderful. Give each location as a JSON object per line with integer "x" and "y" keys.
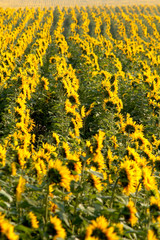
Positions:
{"x": 157, "y": 164}
{"x": 123, "y": 177}
{"x": 54, "y": 175}
{"x": 129, "y": 213}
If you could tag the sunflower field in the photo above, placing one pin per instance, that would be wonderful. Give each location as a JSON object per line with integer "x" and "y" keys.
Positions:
{"x": 80, "y": 123}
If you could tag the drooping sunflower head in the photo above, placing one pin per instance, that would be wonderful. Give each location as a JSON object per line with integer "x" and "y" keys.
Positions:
{"x": 7, "y": 229}
{"x": 95, "y": 181}
{"x": 157, "y": 163}
{"x": 59, "y": 174}
{"x": 130, "y": 127}
{"x": 55, "y": 138}
{"x": 128, "y": 177}
{"x": 148, "y": 179}
{"x": 99, "y": 230}
{"x": 151, "y": 235}
{"x": 155, "y": 207}
{"x": 55, "y": 228}
{"x": 129, "y": 213}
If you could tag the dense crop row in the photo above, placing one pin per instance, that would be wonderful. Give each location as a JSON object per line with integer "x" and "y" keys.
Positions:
{"x": 80, "y": 123}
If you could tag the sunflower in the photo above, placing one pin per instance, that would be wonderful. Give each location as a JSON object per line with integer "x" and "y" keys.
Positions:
{"x": 7, "y": 229}
{"x": 157, "y": 163}
{"x": 151, "y": 235}
{"x": 99, "y": 230}
{"x": 155, "y": 207}
{"x": 2, "y": 155}
{"x": 75, "y": 166}
{"x": 45, "y": 83}
{"x": 55, "y": 138}
{"x": 65, "y": 150}
{"x": 98, "y": 161}
{"x": 114, "y": 141}
{"x": 129, "y": 213}
{"x": 148, "y": 179}
{"x": 147, "y": 153}
{"x": 70, "y": 108}
{"x": 130, "y": 126}
{"x": 20, "y": 188}
{"x": 140, "y": 140}
{"x": 99, "y": 138}
{"x": 129, "y": 176}
{"x": 95, "y": 181}
{"x": 33, "y": 219}
{"x": 55, "y": 229}
{"x": 133, "y": 155}
{"x": 59, "y": 174}
{"x": 74, "y": 98}
{"x": 110, "y": 158}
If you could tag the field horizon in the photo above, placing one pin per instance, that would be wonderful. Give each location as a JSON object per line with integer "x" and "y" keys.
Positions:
{"x": 73, "y": 3}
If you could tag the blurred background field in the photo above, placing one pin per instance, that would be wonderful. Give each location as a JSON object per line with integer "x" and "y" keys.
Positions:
{"x": 71, "y": 3}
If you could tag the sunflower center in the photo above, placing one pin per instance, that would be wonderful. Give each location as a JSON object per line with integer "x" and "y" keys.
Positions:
{"x": 54, "y": 140}
{"x": 110, "y": 104}
{"x": 154, "y": 209}
{"x": 91, "y": 181}
{"x": 157, "y": 165}
{"x": 130, "y": 128}
{"x": 99, "y": 234}
{"x": 112, "y": 79}
{"x": 94, "y": 164}
{"x": 126, "y": 213}
{"x": 51, "y": 230}
{"x": 71, "y": 166}
{"x": 54, "y": 175}
{"x": 72, "y": 99}
{"x": 123, "y": 178}
{"x": 139, "y": 142}
{"x": 106, "y": 94}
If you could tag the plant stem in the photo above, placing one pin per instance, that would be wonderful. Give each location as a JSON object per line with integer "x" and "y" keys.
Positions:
{"x": 137, "y": 193}
{"x": 114, "y": 188}
{"x": 46, "y": 204}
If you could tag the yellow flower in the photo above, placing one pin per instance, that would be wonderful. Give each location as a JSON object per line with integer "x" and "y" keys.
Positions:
{"x": 151, "y": 235}
{"x": 7, "y": 229}
{"x": 129, "y": 176}
{"x": 99, "y": 230}
{"x": 99, "y": 137}
{"x": 129, "y": 213}
{"x": 59, "y": 174}
{"x": 45, "y": 83}
{"x": 95, "y": 181}
{"x": 114, "y": 140}
{"x": 2, "y": 155}
{"x": 109, "y": 158}
{"x": 130, "y": 126}
{"x": 155, "y": 207}
{"x": 33, "y": 219}
{"x": 56, "y": 138}
{"x": 55, "y": 228}
{"x": 83, "y": 110}
{"x": 20, "y": 188}
{"x": 13, "y": 165}
{"x": 140, "y": 140}
{"x": 148, "y": 179}
{"x": 75, "y": 166}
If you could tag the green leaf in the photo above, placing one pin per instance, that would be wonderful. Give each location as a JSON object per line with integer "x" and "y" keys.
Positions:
{"x": 4, "y": 195}
{"x": 129, "y": 229}
{"x": 33, "y": 188}
{"x": 27, "y": 203}
{"x": 97, "y": 174}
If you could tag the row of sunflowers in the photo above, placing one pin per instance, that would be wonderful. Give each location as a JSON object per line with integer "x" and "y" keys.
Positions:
{"x": 80, "y": 123}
